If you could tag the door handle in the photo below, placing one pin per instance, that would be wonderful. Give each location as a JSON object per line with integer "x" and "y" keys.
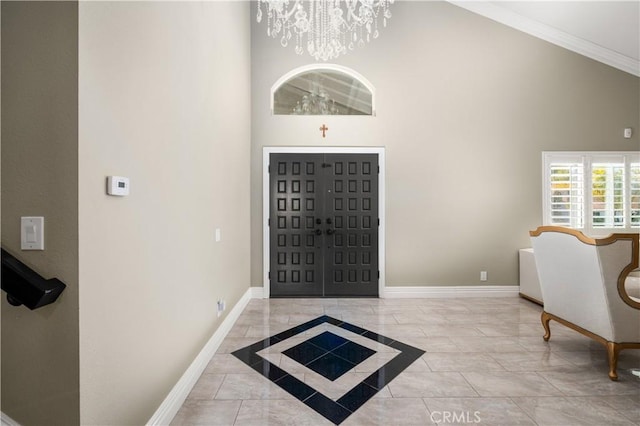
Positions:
{"x": 330, "y": 231}
{"x": 317, "y": 232}
{"x": 329, "y": 221}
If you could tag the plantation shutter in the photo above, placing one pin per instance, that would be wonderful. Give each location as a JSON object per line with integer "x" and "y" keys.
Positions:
{"x": 566, "y": 193}
{"x": 634, "y": 197}
{"x": 596, "y": 192}
{"x": 607, "y": 191}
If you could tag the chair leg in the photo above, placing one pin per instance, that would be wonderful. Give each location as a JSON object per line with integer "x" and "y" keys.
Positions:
{"x": 545, "y": 318}
{"x": 613, "y": 349}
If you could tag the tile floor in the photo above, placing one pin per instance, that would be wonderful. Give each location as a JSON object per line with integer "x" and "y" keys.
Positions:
{"x": 478, "y": 361}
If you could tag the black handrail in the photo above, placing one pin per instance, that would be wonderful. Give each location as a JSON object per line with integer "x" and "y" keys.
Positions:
{"x": 25, "y": 286}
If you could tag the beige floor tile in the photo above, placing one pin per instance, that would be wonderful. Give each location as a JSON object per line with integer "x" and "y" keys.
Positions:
{"x": 206, "y": 387}
{"x": 482, "y": 411}
{"x": 433, "y": 384}
{"x": 571, "y": 411}
{"x": 523, "y": 317}
{"x": 418, "y": 366}
{"x": 563, "y": 344}
{"x": 205, "y": 413}
{"x": 511, "y": 329}
{"x": 461, "y": 361}
{"x": 297, "y": 319}
{"x": 592, "y": 381}
{"x": 487, "y": 344}
{"x": 446, "y": 330}
{"x": 419, "y": 319}
{"x": 626, "y": 360}
{"x": 354, "y": 310}
{"x": 395, "y": 309}
{"x": 238, "y": 331}
{"x": 368, "y": 321}
{"x": 431, "y": 344}
{"x": 258, "y": 332}
{"x": 397, "y": 331}
{"x": 471, "y": 319}
{"x": 510, "y": 384}
{"x": 628, "y": 406}
{"x": 231, "y": 344}
{"x": 529, "y": 361}
{"x": 226, "y": 363}
{"x": 391, "y": 411}
{"x": 250, "y": 386}
{"x": 262, "y": 319}
{"x": 278, "y": 412}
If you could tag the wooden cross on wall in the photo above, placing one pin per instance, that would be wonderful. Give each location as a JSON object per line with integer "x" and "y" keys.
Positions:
{"x": 324, "y": 129}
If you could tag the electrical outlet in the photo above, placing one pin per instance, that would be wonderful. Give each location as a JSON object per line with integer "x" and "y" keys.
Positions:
{"x": 483, "y": 275}
{"x": 221, "y": 306}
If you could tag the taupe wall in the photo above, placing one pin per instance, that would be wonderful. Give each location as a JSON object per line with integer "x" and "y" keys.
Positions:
{"x": 164, "y": 99}
{"x": 465, "y": 106}
{"x": 40, "y": 178}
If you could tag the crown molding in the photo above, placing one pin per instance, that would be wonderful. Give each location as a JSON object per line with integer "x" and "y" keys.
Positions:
{"x": 552, "y": 35}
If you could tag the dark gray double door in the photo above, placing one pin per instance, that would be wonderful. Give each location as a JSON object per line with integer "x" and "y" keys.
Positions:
{"x": 323, "y": 225}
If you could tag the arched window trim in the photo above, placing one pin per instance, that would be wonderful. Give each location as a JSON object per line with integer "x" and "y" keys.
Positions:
{"x": 324, "y": 67}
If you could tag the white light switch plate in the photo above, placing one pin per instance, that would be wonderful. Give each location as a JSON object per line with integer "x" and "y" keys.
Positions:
{"x": 32, "y": 233}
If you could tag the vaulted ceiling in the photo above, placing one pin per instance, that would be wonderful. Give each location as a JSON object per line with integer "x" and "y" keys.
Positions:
{"x": 607, "y": 31}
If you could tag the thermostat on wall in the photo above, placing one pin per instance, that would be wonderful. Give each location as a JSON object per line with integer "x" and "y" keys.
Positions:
{"x": 117, "y": 185}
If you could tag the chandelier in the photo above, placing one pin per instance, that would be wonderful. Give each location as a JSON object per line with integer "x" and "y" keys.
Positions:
{"x": 326, "y": 27}
{"x": 316, "y": 102}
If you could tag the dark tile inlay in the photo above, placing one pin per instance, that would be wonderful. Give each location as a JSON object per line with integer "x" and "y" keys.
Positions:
{"x": 304, "y": 353}
{"x": 330, "y": 366}
{"x": 331, "y": 356}
{"x": 328, "y": 341}
{"x": 328, "y": 354}
{"x": 331, "y": 410}
{"x": 353, "y": 352}
{"x": 295, "y": 387}
{"x": 357, "y": 396}
{"x": 268, "y": 370}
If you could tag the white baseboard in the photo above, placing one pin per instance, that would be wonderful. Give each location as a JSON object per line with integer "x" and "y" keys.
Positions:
{"x": 425, "y": 292}
{"x": 257, "y": 292}
{"x": 176, "y": 397}
{"x": 7, "y": 421}
{"x": 419, "y": 292}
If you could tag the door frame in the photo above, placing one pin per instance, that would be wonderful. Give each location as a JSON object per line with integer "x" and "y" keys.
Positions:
{"x": 267, "y": 150}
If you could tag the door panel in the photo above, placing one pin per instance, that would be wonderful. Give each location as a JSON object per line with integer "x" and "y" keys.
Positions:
{"x": 323, "y": 224}
{"x": 296, "y": 251}
{"x": 351, "y": 205}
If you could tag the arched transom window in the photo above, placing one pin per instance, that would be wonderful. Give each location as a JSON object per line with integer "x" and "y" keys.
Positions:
{"x": 322, "y": 90}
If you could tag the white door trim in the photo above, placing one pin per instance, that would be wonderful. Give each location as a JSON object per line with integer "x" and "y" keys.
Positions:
{"x": 321, "y": 150}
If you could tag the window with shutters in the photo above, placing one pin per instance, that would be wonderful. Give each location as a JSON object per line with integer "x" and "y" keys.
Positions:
{"x": 596, "y": 192}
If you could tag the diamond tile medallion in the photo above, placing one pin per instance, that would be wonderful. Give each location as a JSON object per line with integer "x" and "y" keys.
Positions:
{"x": 330, "y": 356}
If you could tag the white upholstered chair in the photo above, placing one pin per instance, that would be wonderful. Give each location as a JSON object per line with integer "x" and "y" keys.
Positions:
{"x": 583, "y": 286}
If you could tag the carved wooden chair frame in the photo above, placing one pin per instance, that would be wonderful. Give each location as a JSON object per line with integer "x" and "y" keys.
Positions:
{"x": 613, "y": 348}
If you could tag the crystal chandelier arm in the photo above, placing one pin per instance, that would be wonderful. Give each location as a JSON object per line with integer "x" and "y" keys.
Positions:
{"x": 280, "y": 8}
{"x": 325, "y": 27}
